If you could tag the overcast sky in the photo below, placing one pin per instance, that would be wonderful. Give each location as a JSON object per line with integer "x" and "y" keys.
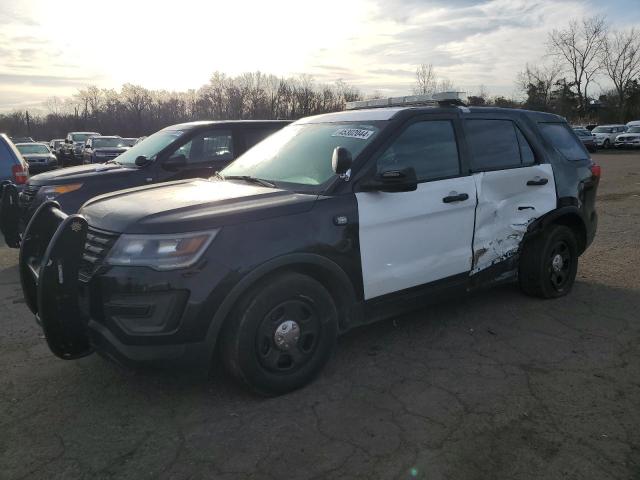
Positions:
{"x": 52, "y": 48}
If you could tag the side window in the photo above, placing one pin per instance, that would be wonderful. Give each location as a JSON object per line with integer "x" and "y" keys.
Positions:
{"x": 494, "y": 144}
{"x": 255, "y": 135}
{"x": 209, "y": 146}
{"x": 428, "y": 146}
{"x": 564, "y": 141}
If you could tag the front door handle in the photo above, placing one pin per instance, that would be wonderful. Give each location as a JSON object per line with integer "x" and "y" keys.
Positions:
{"x": 461, "y": 197}
{"x": 537, "y": 181}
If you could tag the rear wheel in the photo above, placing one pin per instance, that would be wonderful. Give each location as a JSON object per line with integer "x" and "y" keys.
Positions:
{"x": 281, "y": 334}
{"x": 549, "y": 263}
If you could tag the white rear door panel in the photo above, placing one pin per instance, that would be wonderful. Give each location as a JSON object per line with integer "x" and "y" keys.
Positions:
{"x": 411, "y": 238}
{"x": 506, "y": 206}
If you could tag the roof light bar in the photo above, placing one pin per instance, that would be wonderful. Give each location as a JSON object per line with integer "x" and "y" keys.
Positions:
{"x": 437, "y": 99}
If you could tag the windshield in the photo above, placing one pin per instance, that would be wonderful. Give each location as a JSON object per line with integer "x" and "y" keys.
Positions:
{"x": 32, "y": 149}
{"x": 301, "y": 153}
{"x": 82, "y": 137}
{"x": 108, "y": 142}
{"x": 603, "y": 130}
{"x": 149, "y": 147}
{"x": 633, "y": 130}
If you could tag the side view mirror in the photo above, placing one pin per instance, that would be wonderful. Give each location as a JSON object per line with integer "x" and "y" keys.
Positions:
{"x": 173, "y": 163}
{"x": 404, "y": 180}
{"x": 341, "y": 160}
{"x": 141, "y": 161}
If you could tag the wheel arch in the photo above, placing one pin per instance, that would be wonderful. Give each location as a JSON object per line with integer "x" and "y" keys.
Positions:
{"x": 568, "y": 216}
{"x": 320, "y": 268}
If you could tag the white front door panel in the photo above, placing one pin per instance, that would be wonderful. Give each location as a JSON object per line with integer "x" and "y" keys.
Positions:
{"x": 506, "y": 207}
{"x": 412, "y": 238}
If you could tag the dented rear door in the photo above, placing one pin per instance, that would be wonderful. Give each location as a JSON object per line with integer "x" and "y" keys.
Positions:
{"x": 508, "y": 201}
{"x": 513, "y": 188}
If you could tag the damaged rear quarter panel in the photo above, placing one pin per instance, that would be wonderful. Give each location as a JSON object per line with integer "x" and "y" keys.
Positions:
{"x": 506, "y": 207}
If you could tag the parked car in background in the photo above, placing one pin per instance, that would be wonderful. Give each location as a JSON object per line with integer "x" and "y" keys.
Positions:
{"x": 587, "y": 138}
{"x": 633, "y": 123}
{"x": 629, "y": 139}
{"x": 38, "y": 156}
{"x": 22, "y": 140}
{"x": 55, "y": 145}
{"x": 139, "y": 140}
{"x": 130, "y": 142}
{"x": 102, "y": 149}
{"x": 188, "y": 150}
{"x": 13, "y": 168}
{"x": 606, "y": 134}
{"x": 71, "y": 153}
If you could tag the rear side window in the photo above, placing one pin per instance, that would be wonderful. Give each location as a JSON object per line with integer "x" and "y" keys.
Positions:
{"x": 429, "y": 147}
{"x": 255, "y": 135}
{"x": 564, "y": 141}
{"x": 497, "y": 144}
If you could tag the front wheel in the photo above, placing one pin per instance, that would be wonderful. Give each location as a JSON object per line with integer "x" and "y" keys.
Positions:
{"x": 281, "y": 334}
{"x": 549, "y": 263}
{"x": 606, "y": 144}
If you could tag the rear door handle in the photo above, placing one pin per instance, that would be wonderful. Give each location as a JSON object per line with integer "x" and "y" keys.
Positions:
{"x": 537, "y": 181}
{"x": 461, "y": 197}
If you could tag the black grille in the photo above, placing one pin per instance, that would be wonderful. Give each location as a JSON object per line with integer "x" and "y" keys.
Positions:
{"x": 96, "y": 249}
{"x": 28, "y": 194}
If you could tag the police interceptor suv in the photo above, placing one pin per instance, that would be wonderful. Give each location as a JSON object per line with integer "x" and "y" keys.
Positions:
{"x": 334, "y": 221}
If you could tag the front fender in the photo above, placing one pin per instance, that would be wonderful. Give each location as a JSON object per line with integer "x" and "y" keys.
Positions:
{"x": 317, "y": 266}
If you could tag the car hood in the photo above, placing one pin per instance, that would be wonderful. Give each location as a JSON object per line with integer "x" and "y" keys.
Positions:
{"x": 111, "y": 149}
{"x": 79, "y": 174}
{"x": 36, "y": 156}
{"x": 191, "y": 205}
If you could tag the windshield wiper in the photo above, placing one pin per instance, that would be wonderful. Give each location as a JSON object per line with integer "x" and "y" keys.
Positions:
{"x": 248, "y": 179}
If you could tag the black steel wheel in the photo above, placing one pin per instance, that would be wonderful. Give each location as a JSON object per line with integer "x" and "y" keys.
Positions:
{"x": 281, "y": 334}
{"x": 549, "y": 263}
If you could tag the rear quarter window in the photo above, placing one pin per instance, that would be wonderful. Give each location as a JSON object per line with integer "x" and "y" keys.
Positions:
{"x": 564, "y": 141}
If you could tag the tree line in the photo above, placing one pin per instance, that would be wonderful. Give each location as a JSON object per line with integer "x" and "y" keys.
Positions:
{"x": 134, "y": 111}
{"x": 579, "y": 59}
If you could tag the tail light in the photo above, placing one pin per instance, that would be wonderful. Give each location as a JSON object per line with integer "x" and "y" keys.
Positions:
{"x": 595, "y": 171}
{"x": 20, "y": 174}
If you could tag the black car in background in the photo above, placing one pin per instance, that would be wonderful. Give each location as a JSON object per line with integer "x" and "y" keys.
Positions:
{"x": 188, "y": 150}
{"x": 71, "y": 151}
{"x": 587, "y": 138}
{"x": 103, "y": 149}
{"x": 38, "y": 156}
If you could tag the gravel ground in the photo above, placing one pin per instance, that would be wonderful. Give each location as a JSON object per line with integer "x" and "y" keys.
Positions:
{"x": 493, "y": 386}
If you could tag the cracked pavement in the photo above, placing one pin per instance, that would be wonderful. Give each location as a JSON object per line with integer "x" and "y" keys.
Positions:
{"x": 493, "y": 386}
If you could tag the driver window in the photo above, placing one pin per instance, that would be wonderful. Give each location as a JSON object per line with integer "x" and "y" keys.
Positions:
{"x": 428, "y": 146}
{"x": 208, "y": 146}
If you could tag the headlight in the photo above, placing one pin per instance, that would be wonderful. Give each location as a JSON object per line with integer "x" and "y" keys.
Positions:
{"x": 52, "y": 191}
{"x": 160, "y": 252}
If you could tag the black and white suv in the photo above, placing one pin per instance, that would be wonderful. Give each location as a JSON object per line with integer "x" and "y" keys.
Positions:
{"x": 334, "y": 221}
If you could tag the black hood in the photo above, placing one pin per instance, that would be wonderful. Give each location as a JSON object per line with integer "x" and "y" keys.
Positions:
{"x": 79, "y": 174}
{"x": 194, "y": 205}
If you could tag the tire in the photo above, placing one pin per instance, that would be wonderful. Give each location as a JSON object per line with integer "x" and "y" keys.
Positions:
{"x": 606, "y": 144}
{"x": 538, "y": 275}
{"x": 292, "y": 309}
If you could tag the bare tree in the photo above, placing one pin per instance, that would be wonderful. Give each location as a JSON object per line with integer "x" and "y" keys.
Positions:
{"x": 621, "y": 60}
{"x": 538, "y": 81}
{"x": 580, "y": 47}
{"x": 426, "y": 81}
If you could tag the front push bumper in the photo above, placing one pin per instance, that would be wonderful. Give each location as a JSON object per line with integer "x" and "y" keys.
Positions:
{"x": 119, "y": 316}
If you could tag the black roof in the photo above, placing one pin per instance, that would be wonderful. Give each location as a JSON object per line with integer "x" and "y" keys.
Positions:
{"x": 223, "y": 123}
